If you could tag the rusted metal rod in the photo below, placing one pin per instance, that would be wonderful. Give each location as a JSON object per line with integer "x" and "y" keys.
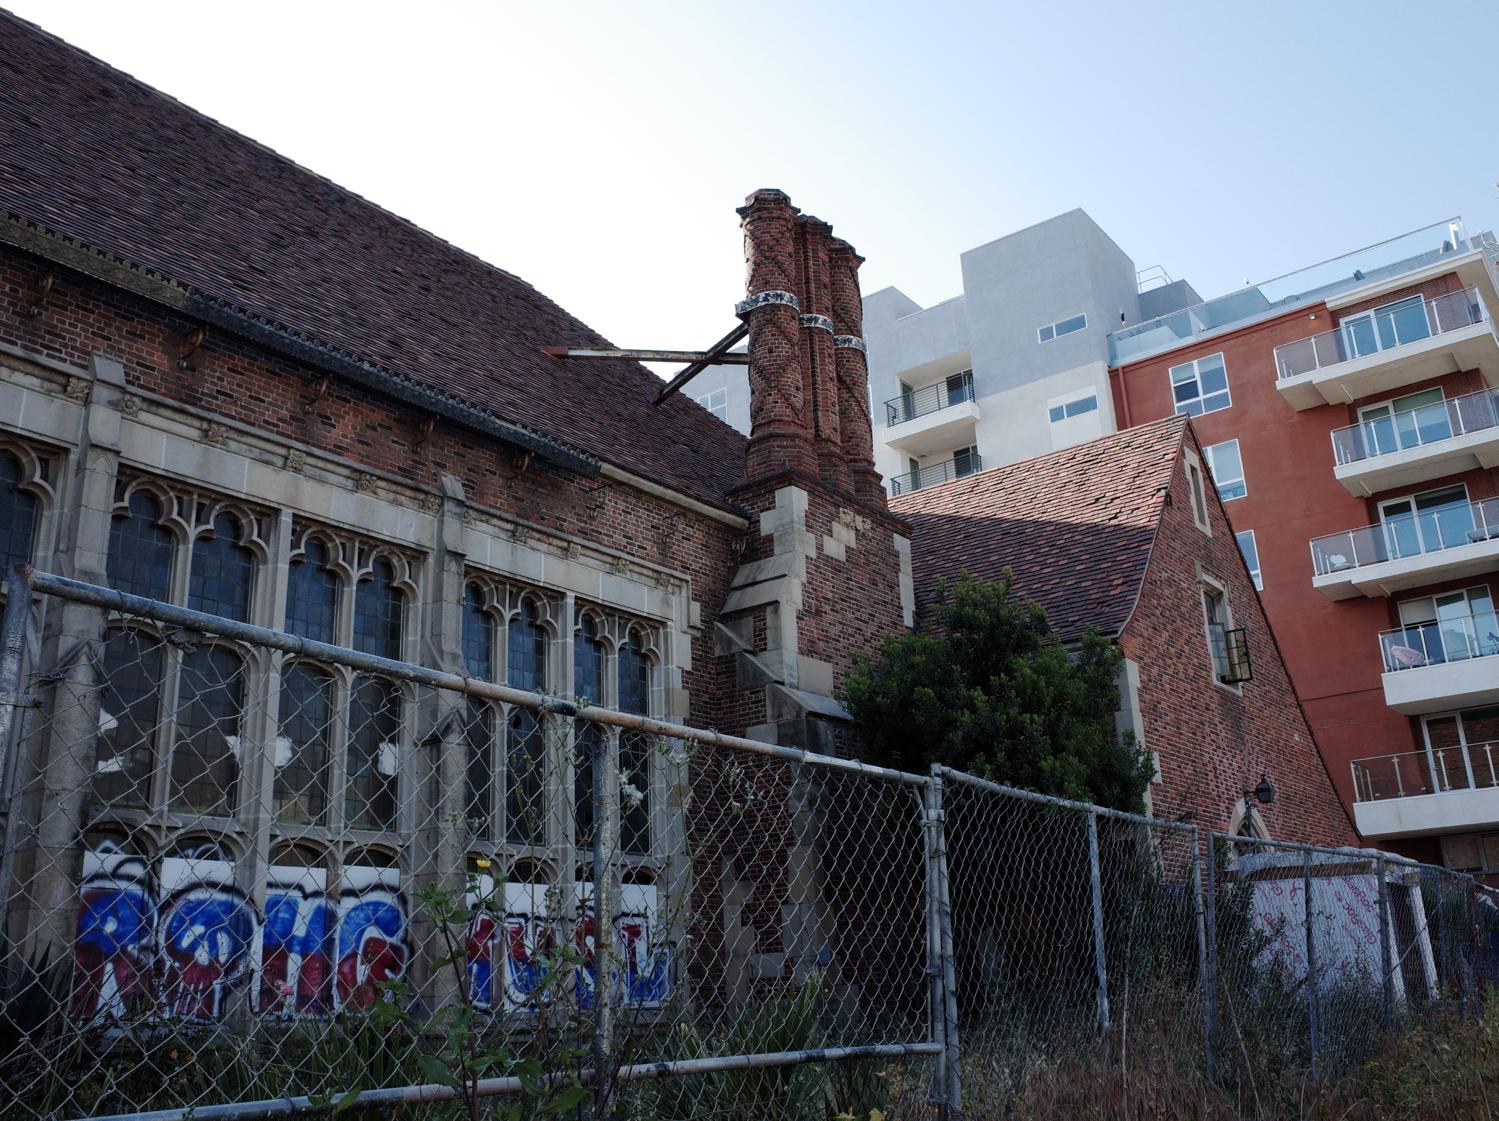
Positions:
{"x": 596, "y": 353}
{"x": 717, "y": 353}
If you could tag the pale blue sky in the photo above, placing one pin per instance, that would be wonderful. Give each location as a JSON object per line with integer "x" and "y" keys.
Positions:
{"x": 598, "y": 149}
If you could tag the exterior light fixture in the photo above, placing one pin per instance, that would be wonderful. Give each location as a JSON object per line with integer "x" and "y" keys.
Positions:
{"x": 1264, "y": 793}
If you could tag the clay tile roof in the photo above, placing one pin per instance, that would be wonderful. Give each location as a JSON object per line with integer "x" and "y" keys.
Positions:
{"x": 91, "y": 154}
{"x": 1076, "y": 526}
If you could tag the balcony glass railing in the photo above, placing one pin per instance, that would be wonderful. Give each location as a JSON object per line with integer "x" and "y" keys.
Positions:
{"x": 1430, "y": 531}
{"x": 1417, "y": 428}
{"x": 943, "y": 472}
{"x": 1386, "y": 328}
{"x": 1434, "y": 771}
{"x": 1444, "y": 640}
{"x": 928, "y": 399}
{"x": 1389, "y": 258}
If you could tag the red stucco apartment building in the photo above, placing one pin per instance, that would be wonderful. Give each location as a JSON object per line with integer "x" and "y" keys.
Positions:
{"x": 1350, "y": 417}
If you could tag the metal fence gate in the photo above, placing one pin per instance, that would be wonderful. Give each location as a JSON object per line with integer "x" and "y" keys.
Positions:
{"x": 247, "y": 874}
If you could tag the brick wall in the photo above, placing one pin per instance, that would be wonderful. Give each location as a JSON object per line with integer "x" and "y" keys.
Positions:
{"x": 1212, "y": 740}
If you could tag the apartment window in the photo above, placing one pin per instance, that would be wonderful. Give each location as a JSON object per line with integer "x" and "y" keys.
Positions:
{"x": 1193, "y": 467}
{"x": 965, "y": 461}
{"x": 1471, "y": 852}
{"x": 1227, "y": 468}
{"x": 1061, "y": 327}
{"x": 716, "y": 403}
{"x": 1082, "y": 405}
{"x": 1450, "y": 627}
{"x": 1463, "y": 749}
{"x": 1200, "y": 386}
{"x": 1406, "y": 422}
{"x": 1250, "y": 550}
{"x": 1394, "y": 324}
{"x": 1227, "y": 644}
{"x": 1429, "y": 521}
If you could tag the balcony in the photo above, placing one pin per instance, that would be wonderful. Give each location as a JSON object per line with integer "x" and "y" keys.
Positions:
{"x": 1417, "y": 793}
{"x": 943, "y": 472}
{"x": 1406, "y": 448}
{"x": 933, "y": 417}
{"x": 1448, "y": 664}
{"x": 1407, "y": 342}
{"x": 1448, "y": 543}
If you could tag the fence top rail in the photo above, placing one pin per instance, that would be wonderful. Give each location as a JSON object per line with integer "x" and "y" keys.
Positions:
{"x": 47, "y": 583}
{"x": 946, "y": 772}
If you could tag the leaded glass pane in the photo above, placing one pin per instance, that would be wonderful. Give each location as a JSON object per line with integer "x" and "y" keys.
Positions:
{"x": 18, "y": 511}
{"x": 141, "y": 549}
{"x": 210, "y": 705}
{"x": 304, "y": 746}
{"x": 588, "y": 663}
{"x": 634, "y": 678}
{"x": 374, "y": 755}
{"x": 379, "y": 611}
{"x": 527, "y": 650}
{"x": 478, "y": 636}
{"x": 635, "y": 792}
{"x": 589, "y": 737}
{"x": 312, "y": 595}
{"x": 222, "y": 574}
{"x": 524, "y": 810}
{"x": 129, "y": 713}
{"x": 478, "y": 729}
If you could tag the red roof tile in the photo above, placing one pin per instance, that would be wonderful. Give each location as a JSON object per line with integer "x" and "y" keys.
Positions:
{"x": 92, "y": 154}
{"x": 1076, "y": 526}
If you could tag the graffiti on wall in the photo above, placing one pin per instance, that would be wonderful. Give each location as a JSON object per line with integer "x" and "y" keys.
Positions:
{"x": 175, "y": 938}
{"x": 513, "y": 937}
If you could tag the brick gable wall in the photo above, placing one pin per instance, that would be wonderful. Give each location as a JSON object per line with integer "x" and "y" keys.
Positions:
{"x": 1211, "y": 740}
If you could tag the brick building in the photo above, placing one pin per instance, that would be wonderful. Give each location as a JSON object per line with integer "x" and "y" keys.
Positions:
{"x": 1121, "y": 534}
{"x": 229, "y": 384}
{"x": 1349, "y": 415}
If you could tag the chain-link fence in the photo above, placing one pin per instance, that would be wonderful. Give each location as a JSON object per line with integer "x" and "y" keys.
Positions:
{"x": 248, "y": 874}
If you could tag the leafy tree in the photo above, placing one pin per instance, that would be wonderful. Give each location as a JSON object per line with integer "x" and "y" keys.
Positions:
{"x": 988, "y": 689}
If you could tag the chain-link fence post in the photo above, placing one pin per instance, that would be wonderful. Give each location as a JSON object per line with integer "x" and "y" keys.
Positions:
{"x": 946, "y": 1082}
{"x": 18, "y": 602}
{"x": 1480, "y": 981}
{"x": 607, "y": 841}
{"x": 1386, "y": 965}
{"x": 1204, "y": 978}
{"x": 1100, "y": 960}
{"x": 1312, "y": 1010}
{"x": 1210, "y": 964}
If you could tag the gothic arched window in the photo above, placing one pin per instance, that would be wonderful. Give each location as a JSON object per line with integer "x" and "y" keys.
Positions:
{"x": 527, "y": 649}
{"x": 18, "y": 513}
{"x": 312, "y": 594}
{"x": 379, "y": 612}
{"x": 141, "y": 549}
{"x": 221, "y": 572}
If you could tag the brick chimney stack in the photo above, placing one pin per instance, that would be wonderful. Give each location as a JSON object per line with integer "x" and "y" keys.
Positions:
{"x": 818, "y": 358}
{"x": 809, "y": 383}
{"x": 780, "y": 408}
{"x": 853, "y": 374}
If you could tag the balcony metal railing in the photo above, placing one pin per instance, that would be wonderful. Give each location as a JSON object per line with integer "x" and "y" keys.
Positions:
{"x": 943, "y": 472}
{"x": 928, "y": 399}
{"x": 1445, "y": 640}
{"x": 1384, "y": 329}
{"x": 1416, "y": 428}
{"x": 1434, "y": 771}
{"x": 1430, "y": 531}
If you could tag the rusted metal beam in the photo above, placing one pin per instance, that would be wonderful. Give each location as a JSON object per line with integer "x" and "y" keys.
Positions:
{"x": 716, "y": 354}
{"x": 600, "y": 353}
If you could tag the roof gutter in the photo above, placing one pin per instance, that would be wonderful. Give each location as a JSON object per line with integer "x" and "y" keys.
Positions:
{"x": 159, "y": 289}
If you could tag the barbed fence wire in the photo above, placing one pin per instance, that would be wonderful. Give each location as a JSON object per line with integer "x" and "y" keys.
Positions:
{"x": 251, "y": 875}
